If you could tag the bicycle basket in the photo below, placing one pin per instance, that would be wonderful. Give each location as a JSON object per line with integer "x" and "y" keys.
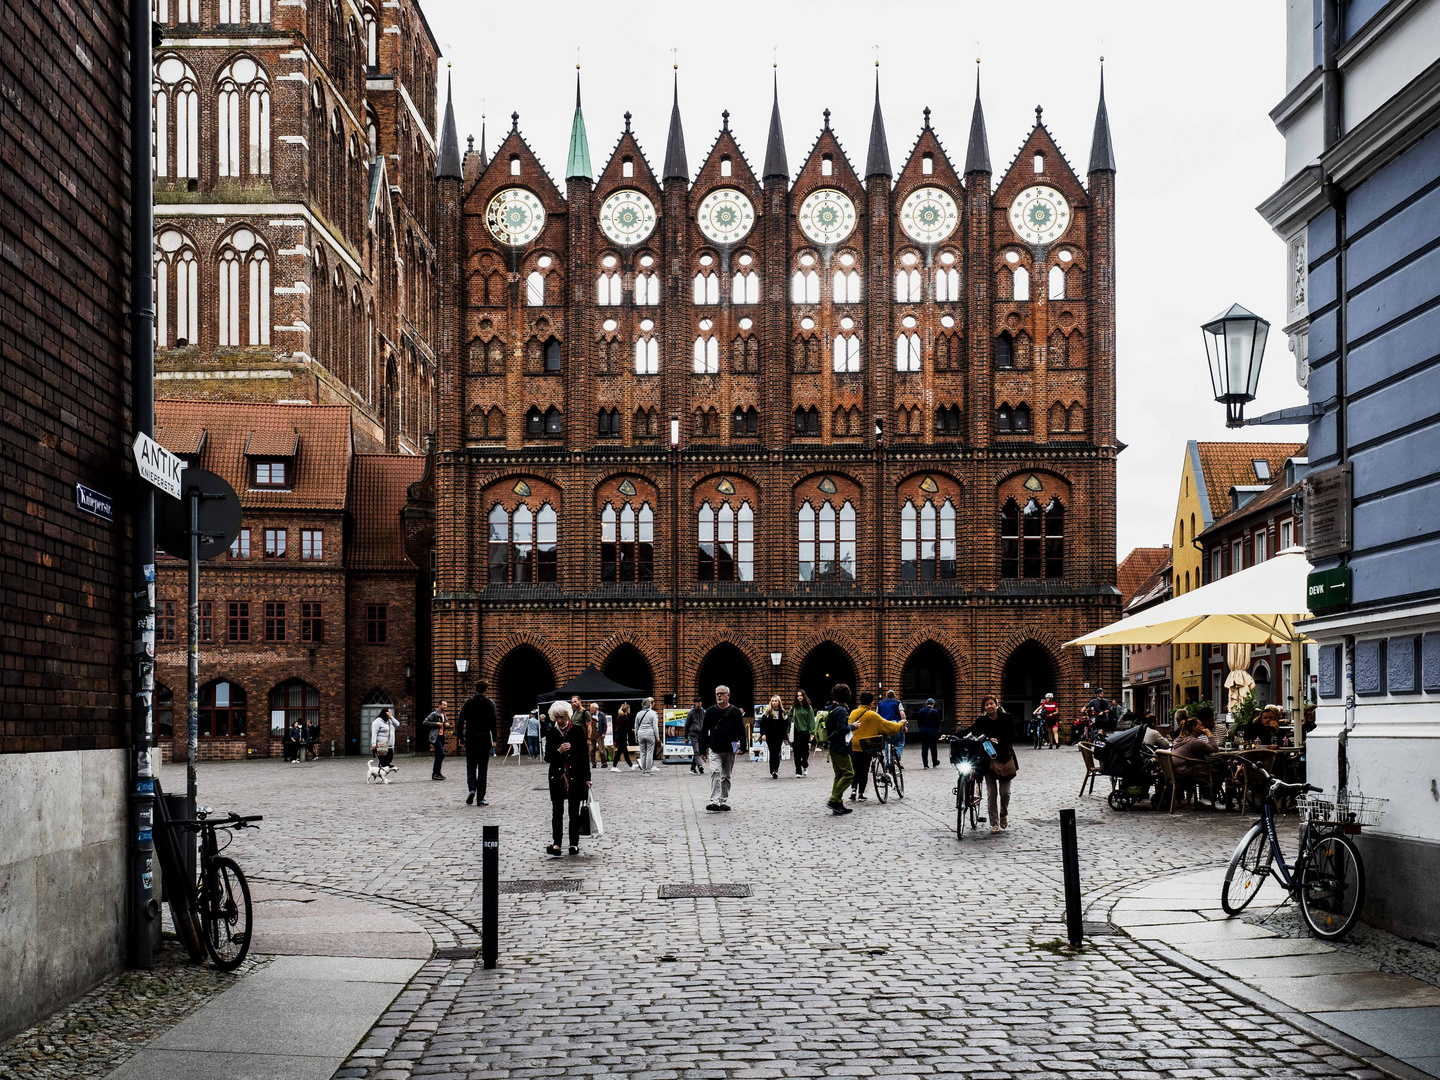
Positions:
{"x": 1347, "y": 809}
{"x": 874, "y": 744}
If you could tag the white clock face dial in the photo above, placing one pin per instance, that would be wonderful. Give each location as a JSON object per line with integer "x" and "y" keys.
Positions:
{"x": 515, "y": 217}
{"x": 827, "y": 216}
{"x": 1039, "y": 214}
{"x": 725, "y": 216}
{"x": 929, "y": 215}
{"x": 627, "y": 217}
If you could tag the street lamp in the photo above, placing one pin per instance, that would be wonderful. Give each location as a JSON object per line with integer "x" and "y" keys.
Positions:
{"x": 1089, "y": 651}
{"x": 462, "y": 666}
{"x": 1235, "y": 348}
{"x": 775, "y": 659}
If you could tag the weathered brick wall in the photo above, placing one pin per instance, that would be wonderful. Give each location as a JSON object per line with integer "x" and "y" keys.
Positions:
{"x": 64, "y": 414}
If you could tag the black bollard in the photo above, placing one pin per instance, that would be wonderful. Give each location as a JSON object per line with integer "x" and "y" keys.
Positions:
{"x": 1070, "y": 860}
{"x": 490, "y": 895}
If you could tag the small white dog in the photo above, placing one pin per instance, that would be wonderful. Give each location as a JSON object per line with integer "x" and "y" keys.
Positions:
{"x": 379, "y": 774}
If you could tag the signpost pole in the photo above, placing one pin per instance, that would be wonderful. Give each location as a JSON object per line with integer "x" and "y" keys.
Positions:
{"x": 490, "y": 895}
{"x": 192, "y": 672}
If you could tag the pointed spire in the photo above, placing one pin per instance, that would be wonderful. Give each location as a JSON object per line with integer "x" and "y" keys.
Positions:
{"x": 577, "y": 165}
{"x": 877, "y": 159}
{"x": 977, "y": 155}
{"x": 775, "y": 162}
{"x": 448, "y": 167}
{"x": 484, "y": 154}
{"x": 1102, "y": 155}
{"x": 675, "y": 166}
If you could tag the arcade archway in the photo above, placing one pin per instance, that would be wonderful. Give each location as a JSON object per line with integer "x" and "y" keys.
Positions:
{"x": 522, "y": 676}
{"x": 727, "y": 664}
{"x": 826, "y": 665}
{"x": 628, "y": 667}
{"x": 1029, "y": 676}
{"x": 928, "y": 673}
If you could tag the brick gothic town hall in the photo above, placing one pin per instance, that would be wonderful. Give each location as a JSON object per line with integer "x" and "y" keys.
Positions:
{"x": 770, "y": 428}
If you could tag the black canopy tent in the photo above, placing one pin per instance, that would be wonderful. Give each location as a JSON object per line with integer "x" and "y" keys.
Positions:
{"x": 592, "y": 685}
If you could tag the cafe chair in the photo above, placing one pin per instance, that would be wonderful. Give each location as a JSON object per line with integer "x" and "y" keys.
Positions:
{"x": 1087, "y": 753}
{"x": 1167, "y": 770}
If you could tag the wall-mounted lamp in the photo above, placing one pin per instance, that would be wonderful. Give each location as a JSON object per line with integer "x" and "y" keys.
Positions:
{"x": 775, "y": 658}
{"x": 462, "y": 666}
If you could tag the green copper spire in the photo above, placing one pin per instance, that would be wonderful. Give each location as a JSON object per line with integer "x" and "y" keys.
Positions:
{"x": 578, "y": 165}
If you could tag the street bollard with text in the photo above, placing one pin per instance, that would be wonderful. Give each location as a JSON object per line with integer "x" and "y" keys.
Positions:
{"x": 1070, "y": 859}
{"x": 490, "y": 895}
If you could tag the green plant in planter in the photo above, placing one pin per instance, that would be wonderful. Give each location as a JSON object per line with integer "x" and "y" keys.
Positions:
{"x": 1246, "y": 710}
{"x": 1192, "y": 709}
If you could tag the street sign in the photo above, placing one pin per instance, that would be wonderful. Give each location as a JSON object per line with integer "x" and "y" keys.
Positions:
{"x": 218, "y": 514}
{"x": 158, "y": 465}
{"x": 94, "y": 502}
{"x": 1327, "y": 512}
{"x": 1327, "y": 588}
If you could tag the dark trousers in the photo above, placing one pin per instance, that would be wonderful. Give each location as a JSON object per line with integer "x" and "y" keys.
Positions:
{"x": 861, "y": 760}
{"x": 477, "y": 767}
{"x": 622, "y": 746}
{"x": 774, "y": 746}
{"x": 386, "y": 759}
{"x": 439, "y": 757}
{"x": 801, "y": 747}
{"x": 557, "y": 816}
{"x": 930, "y": 750}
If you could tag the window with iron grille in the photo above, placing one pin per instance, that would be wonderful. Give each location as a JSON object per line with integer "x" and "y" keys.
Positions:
{"x": 274, "y": 620}
{"x": 312, "y": 544}
{"x": 165, "y": 624}
{"x": 312, "y": 622}
{"x": 240, "y": 620}
{"x": 275, "y": 543}
{"x": 377, "y": 619}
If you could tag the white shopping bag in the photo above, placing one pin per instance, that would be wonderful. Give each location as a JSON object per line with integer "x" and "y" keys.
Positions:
{"x": 597, "y": 824}
{"x": 785, "y": 751}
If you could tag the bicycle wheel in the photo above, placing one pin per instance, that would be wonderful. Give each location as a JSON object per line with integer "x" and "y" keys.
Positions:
{"x": 962, "y": 806}
{"x": 1331, "y": 886}
{"x": 1248, "y": 869}
{"x": 879, "y": 779}
{"x": 225, "y": 914}
{"x": 897, "y": 779}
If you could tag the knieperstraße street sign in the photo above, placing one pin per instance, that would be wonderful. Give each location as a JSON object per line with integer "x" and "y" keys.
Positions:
{"x": 158, "y": 465}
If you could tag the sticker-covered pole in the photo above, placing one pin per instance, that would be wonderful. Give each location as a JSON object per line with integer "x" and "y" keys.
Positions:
{"x": 490, "y": 895}
{"x": 1070, "y": 859}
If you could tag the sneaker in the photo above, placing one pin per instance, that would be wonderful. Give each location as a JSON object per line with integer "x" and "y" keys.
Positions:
{"x": 469, "y": 798}
{"x": 774, "y": 776}
{"x": 633, "y": 765}
{"x": 1004, "y": 823}
{"x": 614, "y": 768}
{"x": 862, "y": 797}
{"x": 712, "y": 806}
{"x": 725, "y": 806}
{"x": 994, "y": 830}
{"x": 482, "y": 802}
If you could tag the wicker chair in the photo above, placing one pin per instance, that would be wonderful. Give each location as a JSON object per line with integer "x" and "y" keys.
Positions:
{"x": 1167, "y": 769}
{"x": 1087, "y": 753}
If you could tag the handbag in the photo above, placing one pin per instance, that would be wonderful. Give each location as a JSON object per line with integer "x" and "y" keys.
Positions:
{"x": 594, "y": 824}
{"x": 1004, "y": 770}
{"x": 585, "y": 819}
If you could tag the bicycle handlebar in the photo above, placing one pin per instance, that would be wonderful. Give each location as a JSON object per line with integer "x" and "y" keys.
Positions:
{"x": 234, "y": 821}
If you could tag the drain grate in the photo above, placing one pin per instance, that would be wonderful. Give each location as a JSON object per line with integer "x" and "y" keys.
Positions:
{"x": 683, "y": 892}
{"x": 1101, "y": 929}
{"x": 538, "y": 885}
{"x": 461, "y": 952}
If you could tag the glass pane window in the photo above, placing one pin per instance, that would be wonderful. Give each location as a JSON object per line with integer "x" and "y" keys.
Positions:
{"x": 275, "y": 540}
{"x": 312, "y": 544}
{"x": 274, "y": 620}
{"x": 547, "y": 533}
{"x": 909, "y": 549}
{"x": 745, "y": 543}
{"x": 705, "y": 543}
{"x": 240, "y": 546}
{"x": 523, "y": 523}
{"x": 377, "y": 624}
{"x": 806, "y": 533}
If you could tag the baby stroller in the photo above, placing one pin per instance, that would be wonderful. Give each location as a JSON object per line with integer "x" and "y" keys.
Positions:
{"x": 1125, "y": 757}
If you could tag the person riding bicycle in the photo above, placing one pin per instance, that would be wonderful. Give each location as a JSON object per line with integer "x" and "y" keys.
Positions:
{"x": 1048, "y": 714}
{"x": 995, "y": 727}
{"x": 868, "y": 724}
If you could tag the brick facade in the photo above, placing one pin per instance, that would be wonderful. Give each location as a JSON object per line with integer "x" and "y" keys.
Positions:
{"x": 523, "y": 437}
{"x": 64, "y": 400}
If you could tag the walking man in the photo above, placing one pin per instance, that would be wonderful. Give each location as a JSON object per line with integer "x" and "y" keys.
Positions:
{"x": 837, "y": 736}
{"x": 434, "y": 725}
{"x": 928, "y": 721}
{"x": 892, "y": 709}
{"x": 477, "y": 736}
{"x": 694, "y": 726}
{"x": 721, "y": 737}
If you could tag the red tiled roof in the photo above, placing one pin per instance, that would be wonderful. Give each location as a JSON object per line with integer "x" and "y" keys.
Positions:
{"x": 1136, "y": 568}
{"x": 378, "y": 485}
{"x": 273, "y": 442}
{"x": 1232, "y": 464}
{"x": 322, "y": 468}
{"x": 1277, "y": 492}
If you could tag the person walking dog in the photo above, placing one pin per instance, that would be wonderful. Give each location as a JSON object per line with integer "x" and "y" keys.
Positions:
{"x": 477, "y": 736}
{"x": 382, "y": 738}
{"x": 568, "y": 754}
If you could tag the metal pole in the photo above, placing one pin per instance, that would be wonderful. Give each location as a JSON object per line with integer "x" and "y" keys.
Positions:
{"x": 143, "y": 910}
{"x": 490, "y": 895}
{"x": 1070, "y": 858}
{"x": 192, "y": 673}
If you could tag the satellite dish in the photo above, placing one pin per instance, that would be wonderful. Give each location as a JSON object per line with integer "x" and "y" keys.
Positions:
{"x": 218, "y": 516}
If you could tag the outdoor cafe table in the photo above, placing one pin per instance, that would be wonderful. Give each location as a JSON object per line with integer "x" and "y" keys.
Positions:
{"x": 1288, "y": 761}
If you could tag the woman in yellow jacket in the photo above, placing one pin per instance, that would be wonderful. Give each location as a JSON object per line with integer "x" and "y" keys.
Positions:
{"x": 871, "y": 725}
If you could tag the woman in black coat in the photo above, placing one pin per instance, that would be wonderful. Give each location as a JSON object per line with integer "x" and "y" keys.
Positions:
{"x": 568, "y": 754}
{"x": 995, "y": 725}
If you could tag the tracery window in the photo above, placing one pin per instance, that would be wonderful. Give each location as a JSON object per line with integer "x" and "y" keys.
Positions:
{"x": 847, "y": 286}
{"x": 1032, "y": 539}
{"x": 1021, "y": 287}
{"x": 746, "y": 355}
{"x": 745, "y": 288}
{"x": 907, "y": 352}
{"x": 947, "y": 420}
{"x": 607, "y": 423}
{"x": 524, "y": 546}
{"x": 177, "y": 119}
{"x": 535, "y": 289}
{"x": 706, "y": 351}
{"x": 177, "y": 291}
{"x": 539, "y": 424}
{"x": 744, "y": 423}
{"x": 608, "y": 292}
{"x": 927, "y": 541}
{"x": 647, "y": 352}
{"x": 707, "y": 288}
{"x": 1012, "y": 421}
{"x": 243, "y": 290}
{"x": 908, "y": 288}
{"x": 846, "y": 352}
{"x": 947, "y": 284}
{"x": 725, "y": 543}
{"x": 807, "y": 421}
{"x": 826, "y": 542}
{"x": 647, "y": 289}
{"x": 805, "y": 286}
{"x": 243, "y": 82}
{"x": 627, "y": 543}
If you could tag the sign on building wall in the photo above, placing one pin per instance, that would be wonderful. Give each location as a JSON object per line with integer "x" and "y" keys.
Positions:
{"x": 1327, "y": 588}
{"x": 1327, "y": 512}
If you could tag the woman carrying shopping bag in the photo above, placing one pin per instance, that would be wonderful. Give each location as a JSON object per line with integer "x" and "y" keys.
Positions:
{"x": 568, "y": 755}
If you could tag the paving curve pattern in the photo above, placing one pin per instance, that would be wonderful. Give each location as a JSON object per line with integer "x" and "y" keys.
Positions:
{"x": 873, "y": 944}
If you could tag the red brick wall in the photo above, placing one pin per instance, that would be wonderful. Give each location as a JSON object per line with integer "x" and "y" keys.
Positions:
{"x": 63, "y": 399}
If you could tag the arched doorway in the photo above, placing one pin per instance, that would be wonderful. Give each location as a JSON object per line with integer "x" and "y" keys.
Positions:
{"x": 1029, "y": 676}
{"x": 826, "y": 665}
{"x": 930, "y": 674}
{"x": 727, "y": 664}
{"x": 628, "y": 667}
{"x": 520, "y": 678}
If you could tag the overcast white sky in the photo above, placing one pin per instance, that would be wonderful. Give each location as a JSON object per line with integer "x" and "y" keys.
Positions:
{"x": 1188, "y": 86}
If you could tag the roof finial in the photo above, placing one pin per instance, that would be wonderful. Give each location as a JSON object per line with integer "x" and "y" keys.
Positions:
{"x": 927, "y": 117}
{"x": 627, "y": 122}
{"x": 1039, "y": 111}
{"x": 827, "y": 119}
{"x": 469, "y": 144}
{"x": 514, "y": 121}
{"x": 724, "y": 119}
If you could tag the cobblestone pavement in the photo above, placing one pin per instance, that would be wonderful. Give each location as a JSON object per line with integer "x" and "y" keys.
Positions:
{"x": 874, "y": 944}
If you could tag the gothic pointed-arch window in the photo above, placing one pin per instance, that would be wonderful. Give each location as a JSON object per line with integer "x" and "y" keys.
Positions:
{"x": 946, "y": 353}
{"x": 1057, "y": 283}
{"x": 1005, "y": 351}
{"x": 1022, "y": 418}
{"x": 805, "y": 282}
{"x": 372, "y": 41}
{"x": 927, "y": 541}
{"x": 243, "y": 119}
{"x": 1021, "y": 286}
{"x": 1057, "y": 417}
{"x": 647, "y": 283}
{"x": 725, "y": 541}
{"x": 805, "y": 355}
{"x": 1075, "y": 417}
{"x": 947, "y": 420}
{"x": 744, "y": 423}
{"x": 807, "y": 421}
{"x": 1032, "y": 539}
{"x": 177, "y": 119}
{"x": 1058, "y": 354}
{"x": 534, "y": 289}
{"x": 826, "y": 541}
{"x": 706, "y": 351}
{"x": 627, "y": 543}
{"x": 646, "y": 424}
{"x": 707, "y": 284}
{"x": 847, "y": 286}
{"x": 243, "y": 290}
{"x": 647, "y": 350}
{"x": 177, "y": 290}
{"x": 908, "y": 286}
{"x": 846, "y": 349}
{"x": 608, "y": 291}
{"x": 947, "y": 283}
{"x": 707, "y": 423}
{"x": 607, "y": 423}
{"x": 523, "y": 545}
{"x": 745, "y": 287}
{"x": 908, "y": 352}
{"x": 746, "y": 354}
{"x": 552, "y": 356}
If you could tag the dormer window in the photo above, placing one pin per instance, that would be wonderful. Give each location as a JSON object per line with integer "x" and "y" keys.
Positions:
{"x": 827, "y": 166}
{"x": 627, "y": 167}
{"x": 270, "y": 474}
{"x": 927, "y": 165}
{"x": 725, "y": 166}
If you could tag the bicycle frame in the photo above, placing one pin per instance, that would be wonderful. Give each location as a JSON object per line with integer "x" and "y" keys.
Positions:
{"x": 1286, "y": 874}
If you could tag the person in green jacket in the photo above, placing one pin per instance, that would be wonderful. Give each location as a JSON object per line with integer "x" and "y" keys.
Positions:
{"x": 802, "y": 723}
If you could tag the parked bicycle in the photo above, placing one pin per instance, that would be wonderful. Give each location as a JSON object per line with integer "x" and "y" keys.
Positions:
{"x": 1035, "y": 731}
{"x": 967, "y": 754}
{"x": 222, "y": 895}
{"x": 1327, "y": 877}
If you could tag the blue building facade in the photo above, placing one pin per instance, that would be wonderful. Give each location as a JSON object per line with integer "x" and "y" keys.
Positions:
{"x": 1360, "y": 213}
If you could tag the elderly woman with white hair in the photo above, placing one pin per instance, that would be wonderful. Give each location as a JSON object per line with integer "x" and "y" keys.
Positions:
{"x": 649, "y": 733}
{"x": 567, "y": 752}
